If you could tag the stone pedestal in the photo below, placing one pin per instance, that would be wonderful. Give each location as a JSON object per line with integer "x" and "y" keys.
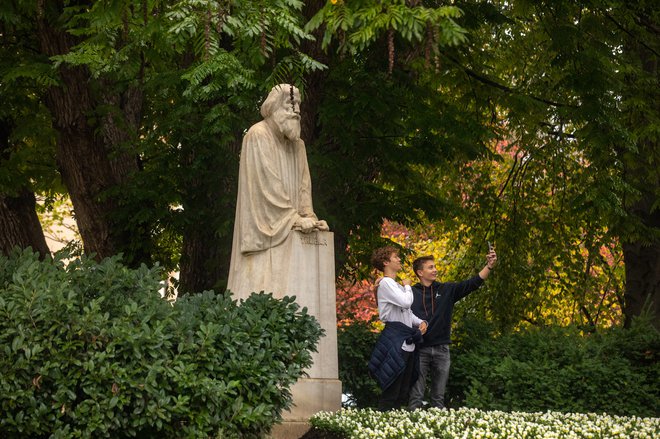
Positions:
{"x": 310, "y": 276}
{"x": 312, "y": 272}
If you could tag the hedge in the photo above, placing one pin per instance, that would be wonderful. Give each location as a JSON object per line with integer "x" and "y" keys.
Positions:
{"x": 89, "y": 349}
{"x": 562, "y": 369}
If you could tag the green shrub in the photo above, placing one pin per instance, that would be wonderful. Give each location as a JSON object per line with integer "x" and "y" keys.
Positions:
{"x": 614, "y": 371}
{"x": 355, "y": 343}
{"x": 90, "y": 350}
{"x": 553, "y": 368}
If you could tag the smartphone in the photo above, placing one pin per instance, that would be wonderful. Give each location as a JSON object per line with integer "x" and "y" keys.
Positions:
{"x": 490, "y": 247}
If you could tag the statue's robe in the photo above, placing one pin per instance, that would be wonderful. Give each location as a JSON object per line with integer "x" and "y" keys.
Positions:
{"x": 274, "y": 190}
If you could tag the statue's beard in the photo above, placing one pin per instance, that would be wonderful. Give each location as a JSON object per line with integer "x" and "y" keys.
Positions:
{"x": 289, "y": 125}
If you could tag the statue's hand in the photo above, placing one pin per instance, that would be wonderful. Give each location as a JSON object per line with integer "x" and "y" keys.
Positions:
{"x": 322, "y": 226}
{"x": 305, "y": 225}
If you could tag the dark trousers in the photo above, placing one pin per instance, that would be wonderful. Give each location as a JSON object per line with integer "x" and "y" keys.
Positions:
{"x": 398, "y": 392}
{"x": 434, "y": 361}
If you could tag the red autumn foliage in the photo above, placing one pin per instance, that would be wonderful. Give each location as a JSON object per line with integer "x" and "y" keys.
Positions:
{"x": 355, "y": 301}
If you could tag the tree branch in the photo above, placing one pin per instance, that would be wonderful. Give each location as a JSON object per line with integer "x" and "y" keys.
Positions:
{"x": 630, "y": 34}
{"x": 500, "y": 86}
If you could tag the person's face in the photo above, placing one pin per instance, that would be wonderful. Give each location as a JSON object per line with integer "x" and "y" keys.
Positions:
{"x": 428, "y": 272}
{"x": 394, "y": 262}
{"x": 287, "y": 117}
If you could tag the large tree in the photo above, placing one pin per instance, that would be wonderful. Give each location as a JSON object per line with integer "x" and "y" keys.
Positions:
{"x": 149, "y": 100}
{"x": 578, "y": 82}
{"x": 145, "y": 98}
{"x": 570, "y": 91}
{"x": 26, "y": 146}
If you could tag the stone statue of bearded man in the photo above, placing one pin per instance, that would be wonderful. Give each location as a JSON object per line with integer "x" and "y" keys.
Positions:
{"x": 274, "y": 196}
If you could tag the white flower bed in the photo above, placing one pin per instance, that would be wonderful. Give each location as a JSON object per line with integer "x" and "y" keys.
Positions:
{"x": 467, "y": 423}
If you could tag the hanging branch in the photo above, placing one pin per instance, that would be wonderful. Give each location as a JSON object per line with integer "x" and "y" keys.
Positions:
{"x": 436, "y": 39}
{"x": 124, "y": 20}
{"x": 492, "y": 221}
{"x": 390, "y": 50}
{"x": 631, "y": 35}
{"x": 471, "y": 73}
{"x": 263, "y": 31}
{"x": 342, "y": 44}
{"x": 429, "y": 42}
{"x": 222, "y": 13}
{"x": 207, "y": 34}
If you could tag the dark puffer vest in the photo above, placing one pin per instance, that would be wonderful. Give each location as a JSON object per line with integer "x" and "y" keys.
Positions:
{"x": 387, "y": 359}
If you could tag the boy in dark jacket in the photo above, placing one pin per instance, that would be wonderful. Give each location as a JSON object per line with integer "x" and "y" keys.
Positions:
{"x": 393, "y": 360}
{"x": 434, "y": 302}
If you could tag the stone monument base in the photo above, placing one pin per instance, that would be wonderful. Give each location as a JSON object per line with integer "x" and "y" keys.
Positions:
{"x": 309, "y": 275}
{"x": 289, "y": 430}
{"x": 310, "y": 395}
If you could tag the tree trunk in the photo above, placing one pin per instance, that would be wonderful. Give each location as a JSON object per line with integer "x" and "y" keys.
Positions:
{"x": 207, "y": 238}
{"x": 204, "y": 261}
{"x": 309, "y": 107}
{"x": 309, "y": 121}
{"x": 19, "y": 224}
{"x": 642, "y": 281}
{"x": 642, "y": 253}
{"x": 82, "y": 163}
{"x": 91, "y": 159}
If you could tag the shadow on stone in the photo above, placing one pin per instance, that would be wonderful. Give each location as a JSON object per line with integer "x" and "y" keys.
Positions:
{"x": 314, "y": 433}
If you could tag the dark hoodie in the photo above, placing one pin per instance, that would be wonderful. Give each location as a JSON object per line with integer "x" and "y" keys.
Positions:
{"x": 435, "y": 304}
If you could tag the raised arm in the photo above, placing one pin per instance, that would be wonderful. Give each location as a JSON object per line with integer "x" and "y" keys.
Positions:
{"x": 491, "y": 261}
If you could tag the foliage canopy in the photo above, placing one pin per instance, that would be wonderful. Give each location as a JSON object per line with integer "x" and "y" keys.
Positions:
{"x": 531, "y": 124}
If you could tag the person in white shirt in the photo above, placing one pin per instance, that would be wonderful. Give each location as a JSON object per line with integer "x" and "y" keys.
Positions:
{"x": 393, "y": 361}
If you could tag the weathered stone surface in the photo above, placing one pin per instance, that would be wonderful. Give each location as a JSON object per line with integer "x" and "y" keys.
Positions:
{"x": 281, "y": 247}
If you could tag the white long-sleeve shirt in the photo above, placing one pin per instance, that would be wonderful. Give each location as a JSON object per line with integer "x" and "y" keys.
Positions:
{"x": 394, "y": 302}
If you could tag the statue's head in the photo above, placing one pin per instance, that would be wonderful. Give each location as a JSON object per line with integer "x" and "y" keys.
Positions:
{"x": 282, "y": 106}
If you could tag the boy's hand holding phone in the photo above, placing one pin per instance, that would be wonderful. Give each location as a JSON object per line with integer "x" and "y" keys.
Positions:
{"x": 491, "y": 257}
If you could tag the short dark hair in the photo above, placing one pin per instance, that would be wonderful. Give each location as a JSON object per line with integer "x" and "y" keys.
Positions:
{"x": 382, "y": 255}
{"x": 418, "y": 263}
